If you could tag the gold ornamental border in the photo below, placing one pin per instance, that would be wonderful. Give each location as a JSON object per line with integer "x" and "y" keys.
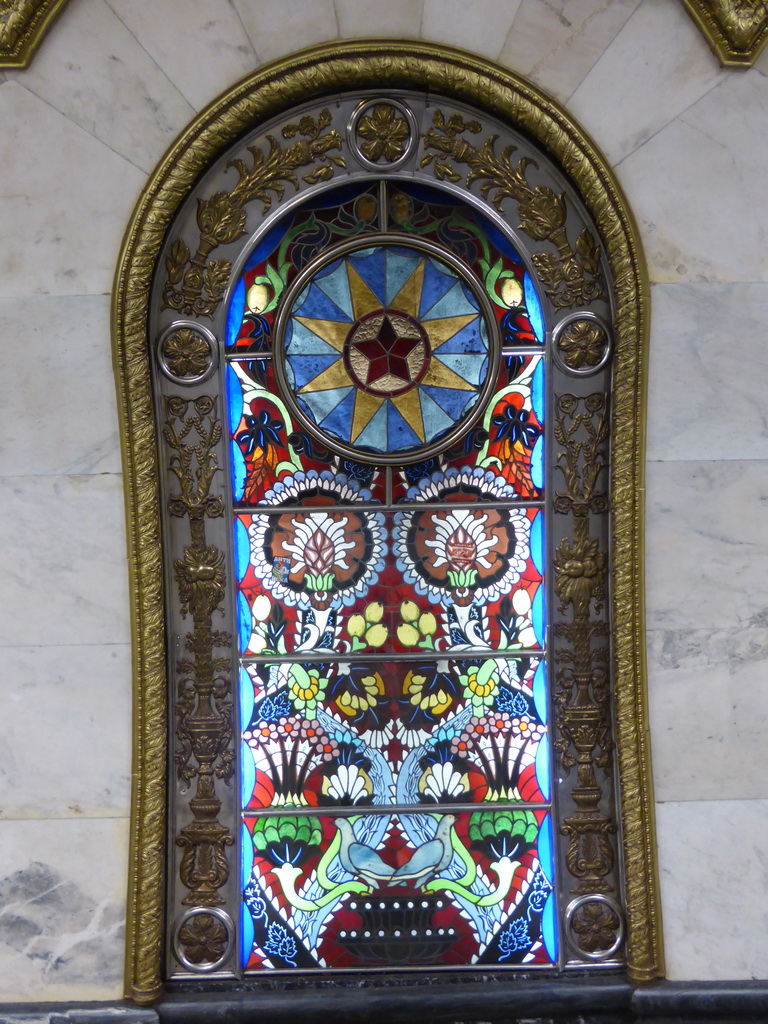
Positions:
{"x": 736, "y": 31}
{"x": 23, "y": 24}
{"x": 274, "y": 89}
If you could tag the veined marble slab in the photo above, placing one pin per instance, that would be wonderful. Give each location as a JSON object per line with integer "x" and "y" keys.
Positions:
{"x": 62, "y": 909}
{"x": 64, "y": 578}
{"x": 66, "y": 199}
{"x": 77, "y": 701}
{"x": 398, "y": 19}
{"x": 708, "y": 372}
{"x": 714, "y": 875}
{"x": 478, "y": 25}
{"x": 57, "y": 388}
{"x": 216, "y": 50}
{"x": 655, "y": 68}
{"x": 698, "y": 187}
{"x": 93, "y": 70}
{"x": 556, "y": 43}
{"x": 706, "y": 545}
{"x": 279, "y": 27}
{"x": 708, "y": 703}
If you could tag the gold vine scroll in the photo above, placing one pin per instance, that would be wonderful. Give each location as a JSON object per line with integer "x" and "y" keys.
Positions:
{"x": 570, "y": 275}
{"x": 582, "y": 692}
{"x": 204, "y": 690}
{"x": 195, "y": 283}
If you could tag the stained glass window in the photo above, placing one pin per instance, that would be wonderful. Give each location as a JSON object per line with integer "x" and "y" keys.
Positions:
{"x": 385, "y": 383}
{"x": 382, "y": 351}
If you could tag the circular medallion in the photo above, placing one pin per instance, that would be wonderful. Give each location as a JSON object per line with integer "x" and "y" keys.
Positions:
{"x": 382, "y": 133}
{"x": 582, "y": 344}
{"x": 203, "y": 939}
{"x": 187, "y": 352}
{"x": 386, "y": 348}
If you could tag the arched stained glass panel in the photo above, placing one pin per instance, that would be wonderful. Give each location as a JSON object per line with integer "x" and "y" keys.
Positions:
{"x": 386, "y": 330}
{"x": 385, "y": 403}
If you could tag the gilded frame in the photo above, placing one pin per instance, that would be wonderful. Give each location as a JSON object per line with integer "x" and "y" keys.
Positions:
{"x": 23, "y": 25}
{"x": 273, "y": 89}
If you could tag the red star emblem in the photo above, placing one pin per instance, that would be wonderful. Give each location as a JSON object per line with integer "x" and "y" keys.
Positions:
{"x": 387, "y": 353}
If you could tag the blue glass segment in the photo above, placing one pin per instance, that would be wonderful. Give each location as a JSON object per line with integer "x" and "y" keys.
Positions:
{"x": 538, "y": 612}
{"x": 540, "y": 692}
{"x": 537, "y": 391}
{"x": 246, "y": 934}
{"x": 549, "y": 927}
{"x": 238, "y": 471}
{"x": 246, "y": 851}
{"x": 242, "y": 550}
{"x": 235, "y": 312}
{"x": 537, "y": 463}
{"x": 247, "y": 774}
{"x": 545, "y": 849}
{"x": 268, "y": 243}
{"x": 234, "y": 399}
{"x": 244, "y": 622}
{"x": 533, "y": 306}
{"x": 543, "y": 775}
{"x": 537, "y": 543}
{"x": 246, "y": 698}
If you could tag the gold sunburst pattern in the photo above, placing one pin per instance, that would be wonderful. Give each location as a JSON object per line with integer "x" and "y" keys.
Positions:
{"x": 386, "y": 350}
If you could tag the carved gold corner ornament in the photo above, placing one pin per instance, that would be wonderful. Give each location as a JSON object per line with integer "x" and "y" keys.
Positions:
{"x": 571, "y": 275}
{"x": 569, "y": 270}
{"x": 736, "y": 30}
{"x": 196, "y": 283}
{"x": 23, "y": 23}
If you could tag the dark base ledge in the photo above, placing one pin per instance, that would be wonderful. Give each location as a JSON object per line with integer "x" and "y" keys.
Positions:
{"x": 424, "y": 1000}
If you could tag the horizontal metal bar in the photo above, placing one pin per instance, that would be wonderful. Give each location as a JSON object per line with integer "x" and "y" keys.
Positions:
{"x": 348, "y": 812}
{"x": 369, "y": 506}
{"x": 321, "y": 658}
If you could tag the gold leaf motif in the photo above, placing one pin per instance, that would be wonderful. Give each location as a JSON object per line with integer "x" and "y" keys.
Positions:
{"x": 186, "y": 353}
{"x": 582, "y": 344}
{"x": 736, "y": 30}
{"x": 221, "y": 218}
{"x": 385, "y": 133}
{"x": 204, "y": 938}
{"x": 23, "y": 24}
{"x": 571, "y": 276}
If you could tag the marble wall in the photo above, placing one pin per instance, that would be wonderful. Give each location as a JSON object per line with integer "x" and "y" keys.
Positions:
{"x": 110, "y": 88}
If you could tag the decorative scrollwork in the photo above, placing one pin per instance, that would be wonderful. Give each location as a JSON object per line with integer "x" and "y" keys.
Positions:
{"x": 582, "y": 696}
{"x": 570, "y": 276}
{"x": 23, "y": 23}
{"x": 582, "y": 344}
{"x": 384, "y": 133}
{"x": 186, "y": 353}
{"x": 196, "y": 284}
{"x": 204, "y": 939}
{"x": 736, "y": 30}
{"x": 204, "y": 724}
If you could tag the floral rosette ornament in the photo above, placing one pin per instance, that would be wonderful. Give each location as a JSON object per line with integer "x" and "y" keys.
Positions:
{"x": 319, "y": 559}
{"x": 467, "y": 555}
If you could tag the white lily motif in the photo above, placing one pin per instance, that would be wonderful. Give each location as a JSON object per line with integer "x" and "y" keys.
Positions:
{"x": 443, "y": 780}
{"x": 348, "y": 784}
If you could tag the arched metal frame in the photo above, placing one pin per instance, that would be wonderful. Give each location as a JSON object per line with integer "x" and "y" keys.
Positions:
{"x": 377, "y": 67}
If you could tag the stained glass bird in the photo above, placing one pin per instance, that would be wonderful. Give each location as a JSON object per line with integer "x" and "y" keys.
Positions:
{"x": 432, "y": 858}
{"x": 359, "y": 859}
